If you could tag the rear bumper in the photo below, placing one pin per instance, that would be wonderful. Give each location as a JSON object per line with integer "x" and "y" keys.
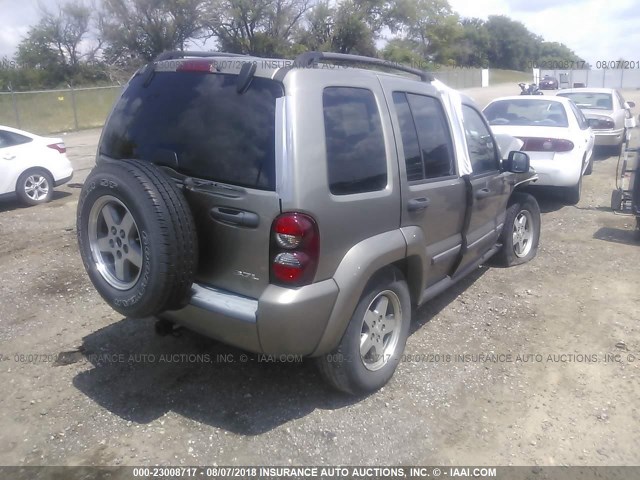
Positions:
{"x": 608, "y": 138}
{"x": 281, "y": 321}
{"x": 64, "y": 180}
{"x": 562, "y": 170}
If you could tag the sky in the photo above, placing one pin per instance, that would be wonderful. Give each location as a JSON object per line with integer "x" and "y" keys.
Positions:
{"x": 597, "y": 30}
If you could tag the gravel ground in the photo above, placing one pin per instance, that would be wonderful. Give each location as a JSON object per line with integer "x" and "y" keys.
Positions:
{"x": 84, "y": 386}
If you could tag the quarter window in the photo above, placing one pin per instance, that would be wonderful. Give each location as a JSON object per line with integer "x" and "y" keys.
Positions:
{"x": 356, "y": 157}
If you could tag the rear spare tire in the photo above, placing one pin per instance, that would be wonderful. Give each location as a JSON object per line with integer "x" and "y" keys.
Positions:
{"x": 137, "y": 238}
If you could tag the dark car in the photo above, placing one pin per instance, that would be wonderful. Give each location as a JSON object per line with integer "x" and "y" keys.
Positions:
{"x": 548, "y": 83}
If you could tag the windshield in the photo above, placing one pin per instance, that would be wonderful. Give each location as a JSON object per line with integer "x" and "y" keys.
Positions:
{"x": 592, "y": 101}
{"x": 199, "y": 122}
{"x": 527, "y": 112}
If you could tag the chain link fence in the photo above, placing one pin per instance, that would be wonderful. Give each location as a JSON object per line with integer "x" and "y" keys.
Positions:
{"x": 52, "y": 111}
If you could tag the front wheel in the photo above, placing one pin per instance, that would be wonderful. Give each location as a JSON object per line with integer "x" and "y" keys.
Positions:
{"x": 374, "y": 341}
{"x": 34, "y": 187}
{"x": 521, "y": 233}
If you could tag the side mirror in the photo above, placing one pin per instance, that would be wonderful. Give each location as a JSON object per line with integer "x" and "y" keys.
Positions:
{"x": 629, "y": 105}
{"x": 517, "y": 162}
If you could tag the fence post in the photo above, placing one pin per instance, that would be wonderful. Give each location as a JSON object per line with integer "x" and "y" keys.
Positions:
{"x": 73, "y": 104}
{"x": 14, "y": 101}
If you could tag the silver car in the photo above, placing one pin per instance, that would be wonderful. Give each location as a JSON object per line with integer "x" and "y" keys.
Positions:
{"x": 290, "y": 208}
{"x": 608, "y": 113}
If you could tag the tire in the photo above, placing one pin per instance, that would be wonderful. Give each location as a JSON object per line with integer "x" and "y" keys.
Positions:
{"x": 34, "y": 187}
{"x": 346, "y": 369}
{"x": 522, "y": 223}
{"x": 572, "y": 194}
{"x": 137, "y": 238}
{"x": 589, "y": 169}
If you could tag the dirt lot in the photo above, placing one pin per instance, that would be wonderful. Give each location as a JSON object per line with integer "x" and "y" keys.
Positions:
{"x": 121, "y": 395}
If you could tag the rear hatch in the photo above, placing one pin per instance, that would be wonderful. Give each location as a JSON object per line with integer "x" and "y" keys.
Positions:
{"x": 221, "y": 143}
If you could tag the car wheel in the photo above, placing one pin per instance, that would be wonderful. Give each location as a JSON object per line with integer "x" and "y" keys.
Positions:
{"x": 572, "y": 194}
{"x": 374, "y": 341}
{"x": 34, "y": 187}
{"x": 589, "y": 169}
{"x": 521, "y": 232}
{"x": 137, "y": 238}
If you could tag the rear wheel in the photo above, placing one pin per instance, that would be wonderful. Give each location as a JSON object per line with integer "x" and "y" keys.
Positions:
{"x": 572, "y": 194}
{"x": 34, "y": 187}
{"x": 374, "y": 341}
{"x": 589, "y": 169}
{"x": 521, "y": 233}
{"x": 137, "y": 238}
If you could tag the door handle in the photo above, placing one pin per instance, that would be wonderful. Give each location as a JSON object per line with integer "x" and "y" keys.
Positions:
{"x": 418, "y": 204}
{"x": 235, "y": 217}
{"x": 9, "y": 157}
{"x": 483, "y": 193}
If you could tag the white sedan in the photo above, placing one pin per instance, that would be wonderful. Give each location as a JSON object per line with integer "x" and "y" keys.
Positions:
{"x": 556, "y": 135}
{"x": 31, "y": 166}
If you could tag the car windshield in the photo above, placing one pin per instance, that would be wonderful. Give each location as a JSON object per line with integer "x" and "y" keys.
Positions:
{"x": 199, "y": 123}
{"x": 527, "y": 112}
{"x": 590, "y": 100}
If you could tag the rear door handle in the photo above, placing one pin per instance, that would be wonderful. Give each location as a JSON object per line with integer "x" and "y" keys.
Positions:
{"x": 235, "y": 217}
{"x": 483, "y": 193}
{"x": 418, "y": 204}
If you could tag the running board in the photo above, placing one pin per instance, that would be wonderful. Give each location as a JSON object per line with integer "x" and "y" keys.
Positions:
{"x": 445, "y": 283}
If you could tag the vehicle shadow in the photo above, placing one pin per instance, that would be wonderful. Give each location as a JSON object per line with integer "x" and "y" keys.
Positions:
{"x": 618, "y": 235}
{"x": 433, "y": 307}
{"x": 140, "y": 376}
{"x": 11, "y": 202}
{"x": 549, "y": 199}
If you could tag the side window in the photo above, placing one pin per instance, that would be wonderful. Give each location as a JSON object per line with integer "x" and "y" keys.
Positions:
{"x": 410, "y": 145}
{"x": 425, "y": 137}
{"x": 482, "y": 150}
{"x": 356, "y": 157}
{"x": 10, "y": 139}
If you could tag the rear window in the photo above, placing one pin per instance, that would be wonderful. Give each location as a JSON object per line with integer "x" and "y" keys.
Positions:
{"x": 591, "y": 101}
{"x": 199, "y": 119}
{"x": 527, "y": 112}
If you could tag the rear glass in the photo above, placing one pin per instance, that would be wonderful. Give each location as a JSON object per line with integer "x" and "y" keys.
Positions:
{"x": 593, "y": 101}
{"x": 199, "y": 119}
{"x": 527, "y": 112}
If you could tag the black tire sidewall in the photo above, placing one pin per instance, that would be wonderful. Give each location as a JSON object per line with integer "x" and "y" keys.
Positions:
{"x": 20, "y": 187}
{"x": 522, "y": 202}
{"x": 151, "y": 286}
{"x": 362, "y": 379}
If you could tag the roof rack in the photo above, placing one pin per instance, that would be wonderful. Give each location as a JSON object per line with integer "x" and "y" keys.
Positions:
{"x": 308, "y": 59}
{"x": 172, "y": 55}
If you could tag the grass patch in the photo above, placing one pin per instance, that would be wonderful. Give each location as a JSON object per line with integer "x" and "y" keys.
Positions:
{"x": 53, "y": 111}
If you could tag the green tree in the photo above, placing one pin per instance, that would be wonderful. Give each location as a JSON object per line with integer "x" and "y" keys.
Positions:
{"x": 135, "y": 30}
{"x": 261, "y": 27}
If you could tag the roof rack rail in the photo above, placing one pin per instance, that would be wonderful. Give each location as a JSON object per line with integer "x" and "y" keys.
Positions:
{"x": 308, "y": 59}
{"x": 173, "y": 54}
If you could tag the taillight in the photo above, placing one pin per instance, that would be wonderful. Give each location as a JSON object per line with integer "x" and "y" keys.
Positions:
{"x": 603, "y": 124}
{"x": 295, "y": 247}
{"x": 59, "y": 147}
{"x": 536, "y": 144}
{"x": 202, "y": 66}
